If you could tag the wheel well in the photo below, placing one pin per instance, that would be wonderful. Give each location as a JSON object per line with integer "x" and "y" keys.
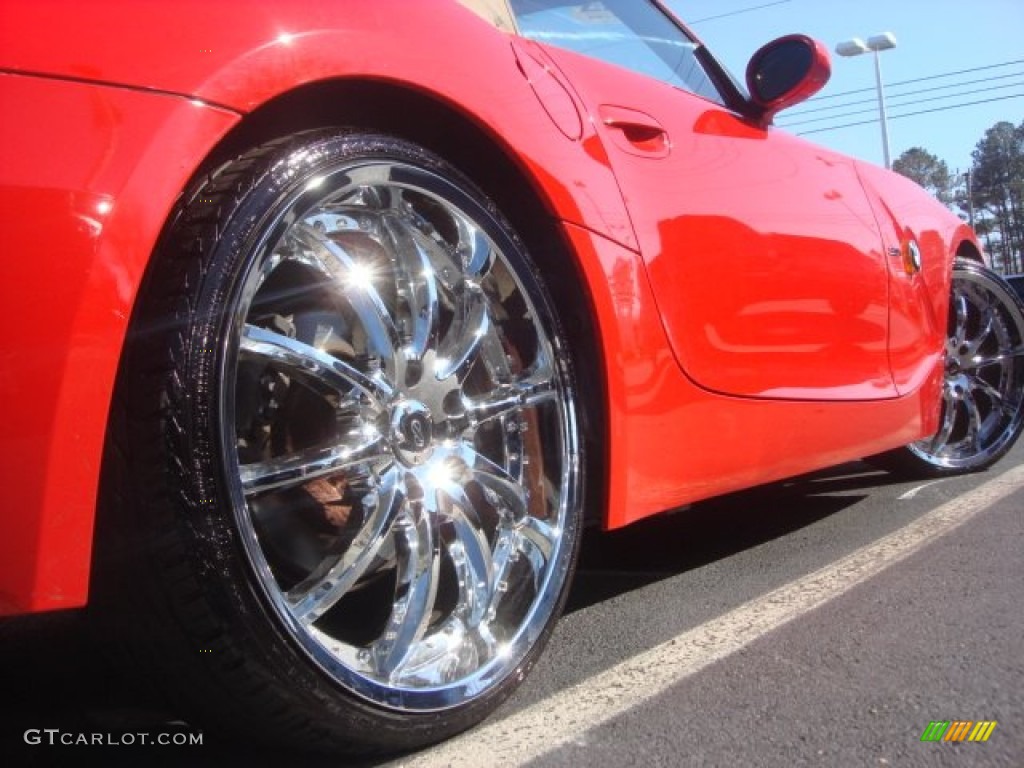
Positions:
{"x": 968, "y": 250}
{"x": 447, "y": 131}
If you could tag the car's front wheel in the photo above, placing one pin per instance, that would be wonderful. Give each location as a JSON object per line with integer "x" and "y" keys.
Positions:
{"x": 983, "y": 389}
{"x": 345, "y": 465}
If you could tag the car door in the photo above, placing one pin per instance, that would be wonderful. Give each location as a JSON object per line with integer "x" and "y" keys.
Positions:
{"x": 763, "y": 252}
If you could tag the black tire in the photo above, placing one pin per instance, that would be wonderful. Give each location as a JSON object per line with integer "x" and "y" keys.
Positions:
{"x": 983, "y": 393}
{"x": 343, "y": 484}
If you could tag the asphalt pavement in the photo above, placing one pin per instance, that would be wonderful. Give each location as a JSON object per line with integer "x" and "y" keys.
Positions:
{"x": 796, "y": 657}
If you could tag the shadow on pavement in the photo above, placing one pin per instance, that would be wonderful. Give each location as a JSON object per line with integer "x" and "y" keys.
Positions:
{"x": 615, "y": 562}
{"x": 54, "y": 677}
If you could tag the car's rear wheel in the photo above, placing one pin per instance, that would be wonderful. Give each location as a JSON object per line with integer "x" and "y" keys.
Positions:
{"x": 345, "y": 461}
{"x": 983, "y": 389}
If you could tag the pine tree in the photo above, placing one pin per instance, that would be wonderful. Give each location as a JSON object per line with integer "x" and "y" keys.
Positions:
{"x": 998, "y": 189}
{"x": 927, "y": 170}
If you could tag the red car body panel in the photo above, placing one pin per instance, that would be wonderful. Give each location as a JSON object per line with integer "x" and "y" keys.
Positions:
{"x": 917, "y": 300}
{"x": 81, "y": 210}
{"x": 674, "y": 442}
{"x": 110, "y": 113}
{"x": 727, "y": 218}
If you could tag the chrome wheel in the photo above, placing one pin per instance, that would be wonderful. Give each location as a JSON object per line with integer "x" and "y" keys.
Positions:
{"x": 983, "y": 392}
{"x": 398, "y": 434}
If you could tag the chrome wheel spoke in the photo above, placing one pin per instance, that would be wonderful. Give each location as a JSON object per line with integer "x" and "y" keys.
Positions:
{"x": 506, "y": 552}
{"x": 486, "y": 641}
{"x": 508, "y": 399}
{"x": 474, "y": 567}
{"x": 303, "y": 360}
{"x": 941, "y": 438}
{"x": 540, "y": 535}
{"x": 319, "y": 591}
{"x": 469, "y": 330}
{"x": 532, "y": 539}
{"x": 499, "y": 486}
{"x": 297, "y": 469}
{"x": 973, "y": 345}
{"x": 417, "y": 549}
{"x": 998, "y": 398}
{"x": 474, "y": 248}
{"x": 358, "y": 278}
{"x": 418, "y": 282}
{"x": 473, "y": 255}
{"x": 1002, "y": 358}
{"x": 960, "y": 314}
{"x": 537, "y": 555}
{"x": 470, "y": 553}
{"x": 974, "y": 421}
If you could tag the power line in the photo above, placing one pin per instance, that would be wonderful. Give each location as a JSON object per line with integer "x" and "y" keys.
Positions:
{"x": 918, "y": 80}
{"x": 738, "y": 12}
{"x": 797, "y": 112}
{"x": 905, "y": 104}
{"x": 913, "y": 114}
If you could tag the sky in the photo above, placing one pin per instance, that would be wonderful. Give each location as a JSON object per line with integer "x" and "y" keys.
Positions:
{"x": 934, "y": 37}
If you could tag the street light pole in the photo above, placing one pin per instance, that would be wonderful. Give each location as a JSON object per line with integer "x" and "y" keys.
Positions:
{"x": 881, "y": 110}
{"x": 875, "y": 44}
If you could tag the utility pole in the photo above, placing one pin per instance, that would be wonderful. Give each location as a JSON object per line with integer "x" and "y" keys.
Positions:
{"x": 970, "y": 196}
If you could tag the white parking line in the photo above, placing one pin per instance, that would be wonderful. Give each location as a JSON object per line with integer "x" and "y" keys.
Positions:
{"x": 565, "y": 717}
{"x": 914, "y": 491}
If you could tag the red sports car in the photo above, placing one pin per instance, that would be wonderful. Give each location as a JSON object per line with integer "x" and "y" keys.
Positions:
{"x": 338, "y": 321}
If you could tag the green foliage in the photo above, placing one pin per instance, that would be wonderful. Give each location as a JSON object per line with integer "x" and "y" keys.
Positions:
{"x": 997, "y": 191}
{"x": 926, "y": 169}
{"x": 992, "y": 192}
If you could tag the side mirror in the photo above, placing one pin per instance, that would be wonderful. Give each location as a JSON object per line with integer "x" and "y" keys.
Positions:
{"x": 785, "y": 72}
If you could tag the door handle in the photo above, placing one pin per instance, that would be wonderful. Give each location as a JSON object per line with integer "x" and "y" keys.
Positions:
{"x": 635, "y": 132}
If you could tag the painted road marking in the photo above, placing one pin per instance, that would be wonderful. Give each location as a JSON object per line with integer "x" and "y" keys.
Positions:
{"x": 914, "y": 491}
{"x": 565, "y": 717}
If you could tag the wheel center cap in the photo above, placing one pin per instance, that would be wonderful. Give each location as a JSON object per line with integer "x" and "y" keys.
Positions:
{"x": 412, "y": 432}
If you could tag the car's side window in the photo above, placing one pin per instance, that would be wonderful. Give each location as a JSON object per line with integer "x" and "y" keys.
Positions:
{"x": 630, "y": 33}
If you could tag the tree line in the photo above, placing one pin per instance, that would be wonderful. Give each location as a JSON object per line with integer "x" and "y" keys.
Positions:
{"x": 990, "y": 194}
